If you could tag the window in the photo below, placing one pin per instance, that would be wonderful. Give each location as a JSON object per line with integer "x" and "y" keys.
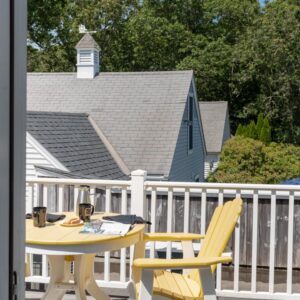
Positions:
{"x": 190, "y": 122}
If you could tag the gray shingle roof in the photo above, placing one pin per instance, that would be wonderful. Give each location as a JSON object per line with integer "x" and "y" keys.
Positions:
{"x": 72, "y": 140}
{"x": 139, "y": 113}
{"x": 87, "y": 41}
{"x": 213, "y": 117}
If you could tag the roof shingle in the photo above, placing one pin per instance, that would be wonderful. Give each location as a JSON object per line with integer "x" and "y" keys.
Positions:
{"x": 72, "y": 140}
{"x": 213, "y": 116}
{"x": 87, "y": 41}
{"x": 139, "y": 113}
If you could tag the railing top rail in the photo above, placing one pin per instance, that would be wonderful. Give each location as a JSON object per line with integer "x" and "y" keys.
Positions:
{"x": 99, "y": 182}
{"x": 171, "y": 184}
{"x": 230, "y": 186}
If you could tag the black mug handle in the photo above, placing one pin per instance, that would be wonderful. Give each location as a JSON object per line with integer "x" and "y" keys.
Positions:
{"x": 93, "y": 209}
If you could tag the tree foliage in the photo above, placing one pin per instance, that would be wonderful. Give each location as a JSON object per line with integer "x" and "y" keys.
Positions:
{"x": 244, "y": 160}
{"x": 259, "y": 131}
{"x": 240, "y": 52}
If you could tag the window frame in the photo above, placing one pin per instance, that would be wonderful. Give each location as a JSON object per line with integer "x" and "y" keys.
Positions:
{"x": 190, "y": 123}
{"x": 12, "y": 147}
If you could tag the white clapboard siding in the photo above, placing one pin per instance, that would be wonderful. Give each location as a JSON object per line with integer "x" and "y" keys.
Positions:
{"x": 36, "y": 154}
{"x": 207, "y": 167}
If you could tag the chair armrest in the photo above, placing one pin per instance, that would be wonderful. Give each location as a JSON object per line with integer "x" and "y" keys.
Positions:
{"x": 172, "y": 237}
{"x": 190, "y": 263}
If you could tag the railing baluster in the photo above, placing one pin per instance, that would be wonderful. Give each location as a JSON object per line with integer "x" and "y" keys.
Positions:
{"x": 237, "y": 252}
{"x": 92, "y": 194}
{"x": 272, "y": 242}
{"x": 44, "y": 266}
{"x": 289, "y": 279}
{"x": 221, "y": 197}
{"x": 169, "y": 220}
{"x": 153, "y": 217}
{"x": 186, "y": 216}
{"x": 108, "y": 199}
{"x": 254, "y": 241}
{"x": 76, "y": 191}
{"x": 45, "y": 195}
{"x": 107, "y": 253}
{"x": 219, "y": 266}
{"x": 124, "y": 201}
{"x": 60, "y": 198}
{"x": 34, "y": 194}
{"x": 29, "y": 199}
{"x": 203, "y": 212}
{"x": 123, "y": 250}
{"x": 107, "y": 266}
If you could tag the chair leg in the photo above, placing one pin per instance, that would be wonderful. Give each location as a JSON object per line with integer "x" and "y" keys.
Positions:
{"x": 208, "y": 283}
{"x": 146, "y": 285}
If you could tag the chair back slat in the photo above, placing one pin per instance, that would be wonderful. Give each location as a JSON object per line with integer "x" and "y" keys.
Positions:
{"x": 219, "y": 231}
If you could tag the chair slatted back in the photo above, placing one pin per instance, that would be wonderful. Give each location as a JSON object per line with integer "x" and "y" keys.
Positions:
{"x": 219, "y": 231}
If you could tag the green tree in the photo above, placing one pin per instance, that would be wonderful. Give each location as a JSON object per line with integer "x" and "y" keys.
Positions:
{"x": 156, "y": 43}
{"x": 240, "y": 130}
{"x": 189, "y": 13}
{"x": 252, "y": 130}
{"x": 265, "y": 133}
{"x": 267, "y": 74}
{"x": 228, "y": 19}
{"x": 259, "y": 123}
{"x": 241, "y": 53}
{"x": 53, "y": 31}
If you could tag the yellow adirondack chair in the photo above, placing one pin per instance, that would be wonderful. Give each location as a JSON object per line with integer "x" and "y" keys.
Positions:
{"x": 151, "y": 277}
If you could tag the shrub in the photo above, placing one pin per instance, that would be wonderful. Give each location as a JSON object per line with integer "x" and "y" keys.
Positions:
{"x": 245, "y": 160}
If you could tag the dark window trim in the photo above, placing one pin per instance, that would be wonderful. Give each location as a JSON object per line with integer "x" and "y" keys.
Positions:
{"x": 190, "y": 123}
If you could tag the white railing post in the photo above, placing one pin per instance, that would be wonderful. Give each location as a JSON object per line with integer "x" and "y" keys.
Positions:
{"x": 138, "y": 199}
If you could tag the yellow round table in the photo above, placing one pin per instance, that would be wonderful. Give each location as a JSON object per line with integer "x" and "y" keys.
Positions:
{"x": 60, "y": 243}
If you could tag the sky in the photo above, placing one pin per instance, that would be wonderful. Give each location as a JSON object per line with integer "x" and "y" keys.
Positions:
{"x": 262, "y": 2}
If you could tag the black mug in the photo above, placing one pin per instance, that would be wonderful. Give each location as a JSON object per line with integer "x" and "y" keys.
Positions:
{"x": 85, "y": 211}
{"x": 39, "y": 216}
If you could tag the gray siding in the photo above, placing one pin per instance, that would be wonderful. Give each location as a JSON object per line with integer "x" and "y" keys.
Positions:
{"x": 186, "y": 166}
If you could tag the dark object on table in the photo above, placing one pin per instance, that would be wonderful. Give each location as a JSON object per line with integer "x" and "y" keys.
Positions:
{"x": 39, "y": 216}
{"x": 85, "y": 211}
{"x": 127, "y": 219}
{"x": 51, "y": 218}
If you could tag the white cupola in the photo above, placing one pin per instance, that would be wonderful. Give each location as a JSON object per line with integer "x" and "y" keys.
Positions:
{"x": 87, "y": 57}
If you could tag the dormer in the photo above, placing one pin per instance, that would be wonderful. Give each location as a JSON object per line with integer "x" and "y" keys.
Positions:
{"x": 87, "y": 57}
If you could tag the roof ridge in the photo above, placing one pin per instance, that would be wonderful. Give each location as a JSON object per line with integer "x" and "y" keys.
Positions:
{"x": 32, "y": 112}
{"x": 113, "y": 73}
{"x": 216, "y": 101}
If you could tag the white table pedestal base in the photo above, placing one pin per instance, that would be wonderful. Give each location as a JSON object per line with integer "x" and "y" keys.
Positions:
{"x": 60, "y": 278}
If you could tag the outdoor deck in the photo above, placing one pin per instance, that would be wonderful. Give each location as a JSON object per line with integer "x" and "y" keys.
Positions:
{"x": 265, "y": 246}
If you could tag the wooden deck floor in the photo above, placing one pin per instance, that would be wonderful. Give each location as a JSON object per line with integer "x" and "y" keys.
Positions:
{"x": 38, "y": 295}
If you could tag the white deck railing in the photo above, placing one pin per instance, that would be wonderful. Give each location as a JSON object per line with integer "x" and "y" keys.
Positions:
{"x": 145, "y": 198}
